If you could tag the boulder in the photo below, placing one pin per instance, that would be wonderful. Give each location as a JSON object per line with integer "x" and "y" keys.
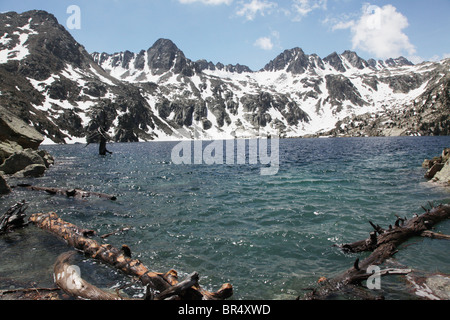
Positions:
{"x": 18, "y": 147}
{"x": 433, "y": 170}
{"x": 47, "y": 157}
{"x": 12, "y": 128}
{"x": 33, "y": 170}
{"x": 445, "y": 154}
{"x": 7, "y": 148}
{"x": 429, "y": 163}
{"x": 439, "y": 167}
{"x": 20, "y": 160}
{"x": 444, "y": 174}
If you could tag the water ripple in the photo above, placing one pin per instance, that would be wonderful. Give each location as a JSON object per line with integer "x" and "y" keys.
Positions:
{"x": 268, "y": 236}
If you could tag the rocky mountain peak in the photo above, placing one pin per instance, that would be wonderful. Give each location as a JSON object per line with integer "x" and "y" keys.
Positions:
{"x": 399, "y": 62}
{"x": 40, "y": 42}
{"x": 53, "y": 84}
{"x": 34, "y": 17}
{"x": 203, "y": 64}
{"x": 294, "y": 60}
{"x": 165, "y": 46}
{"x": 335, "y": 61}
{"x": 165, "y": 55}
{"x": 353, "y": 58}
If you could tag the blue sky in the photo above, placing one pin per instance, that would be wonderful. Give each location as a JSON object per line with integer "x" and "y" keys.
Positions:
{"x": 253, "y": 32}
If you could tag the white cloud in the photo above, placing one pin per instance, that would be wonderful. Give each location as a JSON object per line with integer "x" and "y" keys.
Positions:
{"x": 267, "y": 43}
{"x": 208, "y": 2}
{"x": 379, "y": 31}
{"x": 250, "y": 9}
{"x": 343, "y": 25}
{"x": 303, "y": 7}
{"x": 264, "y": 43}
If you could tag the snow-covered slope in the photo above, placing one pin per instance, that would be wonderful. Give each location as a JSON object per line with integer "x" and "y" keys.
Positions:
{"x": 321, "y": 92}
{"x": 51, "y": 82}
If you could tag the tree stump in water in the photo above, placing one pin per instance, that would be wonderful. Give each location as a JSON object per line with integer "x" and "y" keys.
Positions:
{"x": 102, "y": 147}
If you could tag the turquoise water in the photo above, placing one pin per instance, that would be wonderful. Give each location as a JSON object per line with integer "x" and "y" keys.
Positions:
{"x": 269, "y": 236}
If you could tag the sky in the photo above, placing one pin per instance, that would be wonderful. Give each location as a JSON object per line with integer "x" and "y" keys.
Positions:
{"x": 253, "y": 32}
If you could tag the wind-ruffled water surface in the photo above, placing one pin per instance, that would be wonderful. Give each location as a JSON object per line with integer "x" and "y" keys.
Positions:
{"x": 269, "y": 236}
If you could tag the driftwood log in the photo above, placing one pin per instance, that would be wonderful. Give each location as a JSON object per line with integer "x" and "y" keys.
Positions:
{"x": 14, "y": 218}
{"x": 71, "y": 193}
{"x": 383, "y": 243}
{"x": 121, "y": 259}
{"x": 68, "y": 278}
{"x": 30, "y": 294}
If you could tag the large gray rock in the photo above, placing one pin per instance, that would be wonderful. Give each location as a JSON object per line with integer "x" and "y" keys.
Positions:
{"x": 47, "y": 157}
{"x": 444, "y": 174}
{"x": 16, "y": 130}
{"x": 33, "y": 170}
{"x": 7, "y": 148}
{"x": 439, "y": 167}
{"x": 20, "y": 160}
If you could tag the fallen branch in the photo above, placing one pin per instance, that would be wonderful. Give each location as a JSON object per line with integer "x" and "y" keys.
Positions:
{"x": 14, "y": 218}
{"x": 115, "y": 232}
{"x": 383, "y": 244}
{"x": 179, "y": 288}
{"x": 119, "y": 259}
{"x": 434, "y": 235}
{"x": 71, "y": 193}
{"x": 69, "y": 280}
{"x": 26, "y": 290}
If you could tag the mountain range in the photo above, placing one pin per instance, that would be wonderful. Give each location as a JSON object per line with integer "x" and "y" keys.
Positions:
{"x": 52, "y": 83}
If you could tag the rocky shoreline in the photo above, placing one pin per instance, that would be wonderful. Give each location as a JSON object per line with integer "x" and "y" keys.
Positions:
{"x": 438, "y": 168}
{"x": 20, "y": 155}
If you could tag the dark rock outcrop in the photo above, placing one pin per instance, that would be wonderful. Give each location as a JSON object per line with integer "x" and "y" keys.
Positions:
{"x": 66, "y": 93}
{"x": 294, "y": 61}
{"x": 355, "y": 60}
{"x": 335, "y": 61}
{"x": 4, "y": 188}
{"x": 13, "y": 129}
{"x": 341, "y": 89}
{"x": 165, "y": 55}
{"x": 438, "y": 168}
{"x": 19, "y": 152}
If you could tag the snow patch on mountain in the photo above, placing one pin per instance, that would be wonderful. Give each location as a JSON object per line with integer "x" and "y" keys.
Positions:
{"x": 159, "y": 94}
{"x": 20, "y": 50}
